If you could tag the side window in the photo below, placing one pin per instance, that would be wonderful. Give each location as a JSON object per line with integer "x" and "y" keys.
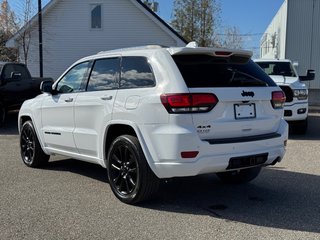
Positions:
{"x": 71, "y": 82}
{"x": 8, "y": 70}
{"x": 136, "y": 73}
{"x": 15, "y": 68}
{"x": 104, "y": 74}
{"x": 96, "y": 16}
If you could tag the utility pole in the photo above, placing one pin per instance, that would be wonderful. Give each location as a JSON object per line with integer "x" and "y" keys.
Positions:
{"x": 40, "y": 37}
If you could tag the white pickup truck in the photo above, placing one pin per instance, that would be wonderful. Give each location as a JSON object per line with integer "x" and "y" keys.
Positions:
{"x": 285, "y": 75}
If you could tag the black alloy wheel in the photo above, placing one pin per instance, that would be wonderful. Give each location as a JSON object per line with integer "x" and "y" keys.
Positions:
{"x": 130, "y": 176}
{"x": 31, "y": 152}
{"x": 28, "y": 144}
{"x": 124, "y": 169}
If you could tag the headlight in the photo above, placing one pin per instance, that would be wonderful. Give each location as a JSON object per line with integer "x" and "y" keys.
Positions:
{"x": 301, "y": 94}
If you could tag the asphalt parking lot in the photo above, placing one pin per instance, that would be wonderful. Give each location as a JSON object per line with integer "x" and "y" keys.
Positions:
{"x": 72, "y": 200}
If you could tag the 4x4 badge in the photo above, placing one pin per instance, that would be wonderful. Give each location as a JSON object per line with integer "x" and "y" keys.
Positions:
{"x": 247, "y": 94}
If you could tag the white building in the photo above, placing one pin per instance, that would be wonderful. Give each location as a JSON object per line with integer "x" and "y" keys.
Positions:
{"x": 73, "y": 29}
{"x": 294, "y": 33}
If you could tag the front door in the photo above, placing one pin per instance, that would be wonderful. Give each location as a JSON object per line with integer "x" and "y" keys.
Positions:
{"x": 58, "y": 109}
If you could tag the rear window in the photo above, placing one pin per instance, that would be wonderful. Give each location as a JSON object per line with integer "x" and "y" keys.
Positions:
{"x": 278, "y": 68}
{"x": 203, "y": 71}
{"x": 15, "y": 68}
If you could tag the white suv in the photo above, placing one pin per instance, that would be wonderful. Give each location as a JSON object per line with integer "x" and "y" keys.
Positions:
{"x": 150, "y": 113}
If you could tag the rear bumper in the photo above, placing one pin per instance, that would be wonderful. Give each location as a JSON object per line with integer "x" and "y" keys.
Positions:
{"x": 165, "y": 147}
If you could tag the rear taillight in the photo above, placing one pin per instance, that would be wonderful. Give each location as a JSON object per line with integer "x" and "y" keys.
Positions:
{"x": 189, "y": 102}
{"x": 278, "y": 99}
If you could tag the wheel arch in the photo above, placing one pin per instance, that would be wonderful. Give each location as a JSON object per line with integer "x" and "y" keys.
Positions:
{"x": 28, "y": 117}
{"x": 115, "y": 130}
{"x": 23, "y": 119}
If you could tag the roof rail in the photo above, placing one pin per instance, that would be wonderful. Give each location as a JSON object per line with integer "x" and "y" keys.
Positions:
{"x": 151, "y": 46}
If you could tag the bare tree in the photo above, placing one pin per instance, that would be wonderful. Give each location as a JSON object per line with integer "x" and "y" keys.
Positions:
{"x": 197, "y": 20}
{"x": 7, "y": 19}
{"x": 7, "y": 29}
{"x": 24, "y": 33}
{"x": 231, "y": 38}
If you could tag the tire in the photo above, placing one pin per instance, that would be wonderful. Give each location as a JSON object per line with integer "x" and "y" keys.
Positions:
{"x": 300, "y": 127}
{"x": 239, "y": 176}
{"x": 130, "y": 176}
{"x": 2, "y": 114}
{"x": 31, "y": 152}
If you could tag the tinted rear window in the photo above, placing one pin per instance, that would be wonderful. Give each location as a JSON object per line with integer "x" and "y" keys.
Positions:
{"x": 277, "y": 68}
{"x": 15, "y": 68}
{"x": 202, "y": 71}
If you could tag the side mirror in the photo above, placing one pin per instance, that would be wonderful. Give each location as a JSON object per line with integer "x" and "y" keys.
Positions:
{"x": 309, "y": 77}
{"x": 46, "y": 87}
{"x": 15, "y": 76}
{"x": 295, "y": 64}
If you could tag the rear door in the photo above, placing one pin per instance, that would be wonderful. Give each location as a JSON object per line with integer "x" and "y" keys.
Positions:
{"x": 93, "y": 108}
{"x": 244, "y": 93}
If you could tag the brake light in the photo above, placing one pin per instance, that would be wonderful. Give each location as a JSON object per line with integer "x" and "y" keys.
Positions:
{"x": 222, "y": 53}
{"x": 278, "y": 99}
{"x": 189, "y": 102}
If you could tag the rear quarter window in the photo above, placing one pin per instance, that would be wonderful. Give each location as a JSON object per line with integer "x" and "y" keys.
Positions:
{"x": 204, "y": 71}
{"x": 136, "y": 73}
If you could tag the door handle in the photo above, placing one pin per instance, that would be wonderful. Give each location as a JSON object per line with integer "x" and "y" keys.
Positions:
{"x": 106, "y": 97}
{"x": 68, "y": 99}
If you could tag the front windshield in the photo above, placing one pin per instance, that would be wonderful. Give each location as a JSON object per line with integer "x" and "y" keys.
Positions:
{"x": 278, "y": 68}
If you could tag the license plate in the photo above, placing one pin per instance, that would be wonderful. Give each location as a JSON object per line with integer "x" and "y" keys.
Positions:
{"x": 242, "y": 111}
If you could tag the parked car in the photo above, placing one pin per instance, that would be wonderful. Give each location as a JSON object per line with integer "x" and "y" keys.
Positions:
{"x": 16, "y": 86}
{"x": 151, "y": 113}
{"x": 285, "y": 75}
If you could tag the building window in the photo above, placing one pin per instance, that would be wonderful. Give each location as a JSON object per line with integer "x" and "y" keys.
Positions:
{"x": 96, "y": 16}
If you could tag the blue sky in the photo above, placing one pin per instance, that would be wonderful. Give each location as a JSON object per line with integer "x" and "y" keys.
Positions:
{"x": 250, "y": 16}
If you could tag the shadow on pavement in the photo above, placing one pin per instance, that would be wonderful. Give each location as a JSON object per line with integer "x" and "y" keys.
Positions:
{"x": 11, "y": 124}
{"x": 93, "y": 171}
{"x": 276, "y": 199}
{"x": 313, "y": 132}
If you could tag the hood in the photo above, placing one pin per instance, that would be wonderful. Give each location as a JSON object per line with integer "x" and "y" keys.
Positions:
{"x": 293, "y": 82}
{"x": 279, "y": 79}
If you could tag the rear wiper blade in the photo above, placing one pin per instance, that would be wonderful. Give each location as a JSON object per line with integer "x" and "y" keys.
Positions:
{"x": 236, "y": 71}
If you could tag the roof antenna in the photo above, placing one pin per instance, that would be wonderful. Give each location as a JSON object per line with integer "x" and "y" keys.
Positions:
{"x": 192, "y": 45}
